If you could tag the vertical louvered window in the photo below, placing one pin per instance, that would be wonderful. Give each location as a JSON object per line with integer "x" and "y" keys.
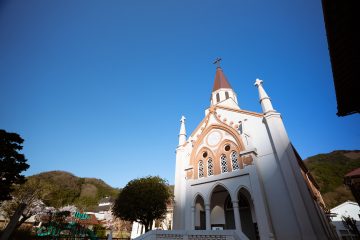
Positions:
{"x": 210, "y": 166}
{"x": 224, "y": 167}
{"x": 217, "y": 97}
{"x": 201, "y": 169}
{"x": 226, "y": 95}
{"x": 234, "y": 161}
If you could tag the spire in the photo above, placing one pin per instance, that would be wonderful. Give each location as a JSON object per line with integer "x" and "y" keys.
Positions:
{"x": 220, "y": 79}
{"x": 264, "y": 98}
{"x": 222, "y": 92}
{"x": 182, "y": 133}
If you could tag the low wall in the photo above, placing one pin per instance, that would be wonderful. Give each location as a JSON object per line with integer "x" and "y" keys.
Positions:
{"x": 193, "y": 235}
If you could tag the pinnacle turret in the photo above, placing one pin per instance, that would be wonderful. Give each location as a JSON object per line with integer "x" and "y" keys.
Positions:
{"x": 182, "y": 133}
{"x": 264, "y": 98}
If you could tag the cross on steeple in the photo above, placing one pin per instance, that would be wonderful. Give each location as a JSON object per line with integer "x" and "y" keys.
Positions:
{"x": 217, "y": 62}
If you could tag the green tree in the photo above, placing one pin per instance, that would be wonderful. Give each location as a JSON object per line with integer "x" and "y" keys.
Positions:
{"x": 143, "y": 200}
{"x": 350, "y": 223}
{"x": 12, "y": 163}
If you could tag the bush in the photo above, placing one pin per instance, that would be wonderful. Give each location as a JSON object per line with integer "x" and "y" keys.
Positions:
{"x": 99, "y": 230}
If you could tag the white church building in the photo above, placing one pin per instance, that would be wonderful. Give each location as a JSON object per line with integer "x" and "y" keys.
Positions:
{"x": 239, "y": 177}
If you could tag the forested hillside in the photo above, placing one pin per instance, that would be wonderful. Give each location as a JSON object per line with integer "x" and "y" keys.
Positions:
{"x": 62, "y": 188}
{"x": 329, "y": 171}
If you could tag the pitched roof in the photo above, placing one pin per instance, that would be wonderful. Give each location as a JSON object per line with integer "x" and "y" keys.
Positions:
{"x": 89, "y": 221}
{"x": 103, "y": 208}
{"x": 106, "y": 200}
{"x": 354, "y": 173}
{"x": 348, "y": 202}
{"x": 220, "y": 80}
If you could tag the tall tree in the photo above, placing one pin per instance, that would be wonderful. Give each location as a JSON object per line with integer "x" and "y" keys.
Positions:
{"x": 12, "y": 163}
{"x": 143, "y": 200}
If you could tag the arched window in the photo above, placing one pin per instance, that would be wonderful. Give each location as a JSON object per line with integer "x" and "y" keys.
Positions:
{"x": 210, "y": 166}
{"x": 223, "y": 163}
{"x": 234, "y": 161}
{"x": 201, "y": 169}
{"x": 226, "y": 95}
{"x": 217, "y": 97}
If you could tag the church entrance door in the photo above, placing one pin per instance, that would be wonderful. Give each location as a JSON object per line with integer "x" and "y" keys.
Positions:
{"x": 222, "y": 214}
{"x": 248, "y": 225}
{"x": 229, "y": 214}
{"x": 200, "y": 219}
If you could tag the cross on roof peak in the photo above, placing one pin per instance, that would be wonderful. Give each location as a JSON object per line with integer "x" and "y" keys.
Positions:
{"x": 258, "y": 82}
{"x": 217, "y": 62}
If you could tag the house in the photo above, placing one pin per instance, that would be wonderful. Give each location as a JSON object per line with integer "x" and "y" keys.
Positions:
{"x": 163, "y": 224}
{"x": 346, "y": 209}
{"x": 103, "y": 210}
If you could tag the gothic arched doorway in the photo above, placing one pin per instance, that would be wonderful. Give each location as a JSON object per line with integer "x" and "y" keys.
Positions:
{"x": 222, "y": 214}
{"x": 200, "y": 221}
{"x": 247, "y": 215}
{"x": 229, "y": 214}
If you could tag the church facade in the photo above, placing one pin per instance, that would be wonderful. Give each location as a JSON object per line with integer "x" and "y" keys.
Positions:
{"x": 239, "y": 171}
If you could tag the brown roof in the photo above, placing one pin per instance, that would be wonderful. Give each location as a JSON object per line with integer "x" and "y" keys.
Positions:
{"x": 220, "y": 80}
{"x": 354, "y": 173}
{"x": 304, "y": 168}
{"x": 90, "y": 221}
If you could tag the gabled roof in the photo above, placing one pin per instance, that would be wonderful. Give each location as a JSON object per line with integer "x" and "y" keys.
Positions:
{"x": 103, "y": 208}
{"x": 220, "y": 80}
{"x": 344, "y": 204}
{"x": 354, "y": 173}
{"x": 106, "y": 200}
{"x": 90, "y": 221}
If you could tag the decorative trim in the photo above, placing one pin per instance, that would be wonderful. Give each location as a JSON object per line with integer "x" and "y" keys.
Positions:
{"x": 249, "y": 151}
{"x": 219, "y": 179}
{"x": 241, "y": 111}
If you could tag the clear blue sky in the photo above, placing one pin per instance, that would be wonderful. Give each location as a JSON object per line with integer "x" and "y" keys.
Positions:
{"x": 97, "y": 88}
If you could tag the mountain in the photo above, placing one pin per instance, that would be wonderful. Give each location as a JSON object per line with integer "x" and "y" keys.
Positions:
{"x": 62, "y": 188}
{"x": 329, "y": 171}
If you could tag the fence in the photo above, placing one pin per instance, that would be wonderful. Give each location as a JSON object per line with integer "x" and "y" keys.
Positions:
{"x": 72, "y": 238}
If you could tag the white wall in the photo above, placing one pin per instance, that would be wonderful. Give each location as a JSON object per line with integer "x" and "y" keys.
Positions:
{"x": 347, "y": 208}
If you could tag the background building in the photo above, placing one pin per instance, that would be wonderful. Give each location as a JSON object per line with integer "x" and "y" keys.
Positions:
{"x": 163, "y": 224}
{"x": 346, "y": 209}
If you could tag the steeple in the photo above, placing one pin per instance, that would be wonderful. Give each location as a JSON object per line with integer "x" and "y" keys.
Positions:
{"x": 222, "y": 92}
{"x": 220, "y": 80}
{"x": 264, "y": 98}
{"x": 182, "y": 133}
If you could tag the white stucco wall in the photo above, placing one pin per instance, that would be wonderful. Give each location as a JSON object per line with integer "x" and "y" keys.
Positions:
{"x": 348, "y": 209}
{"x": 283, "y": 206}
